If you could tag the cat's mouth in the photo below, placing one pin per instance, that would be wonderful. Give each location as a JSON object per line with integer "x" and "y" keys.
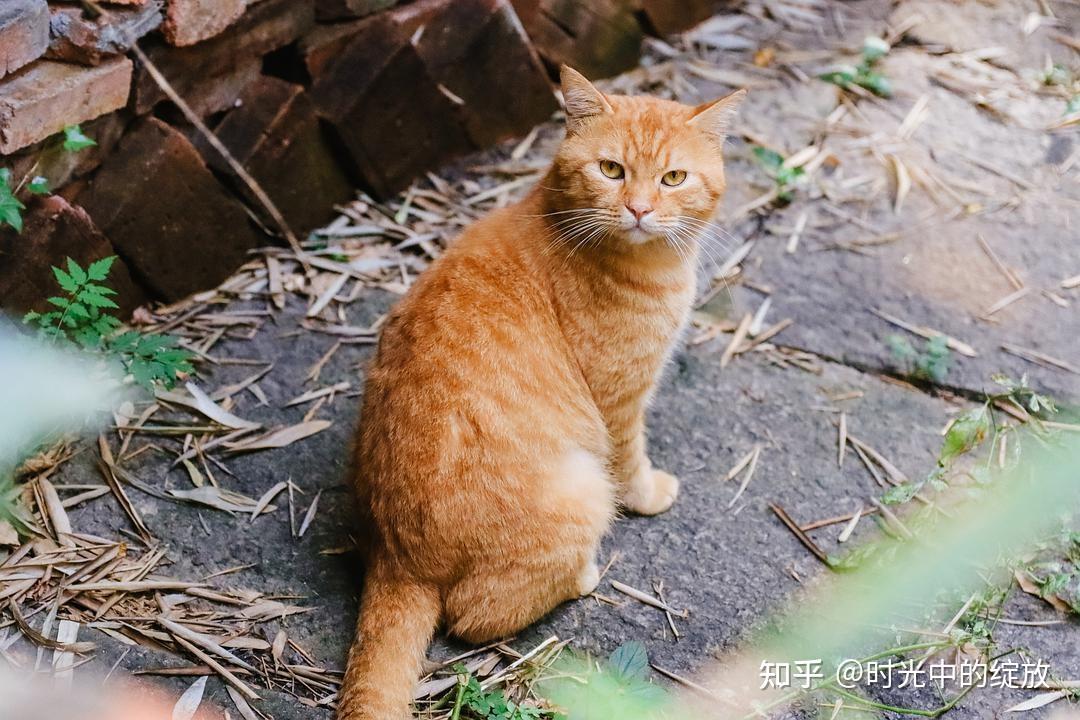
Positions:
{"x": 638, "y": 235}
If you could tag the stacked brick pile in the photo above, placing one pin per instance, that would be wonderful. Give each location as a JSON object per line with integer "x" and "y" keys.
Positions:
{"x": 313, "y": 97}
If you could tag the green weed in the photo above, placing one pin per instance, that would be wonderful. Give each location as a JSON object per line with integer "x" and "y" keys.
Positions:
{"x": 930, "y": 364}
{"x": 81, "y": 319}
{"x": 864, "y": 75}
{"x": 786, "y": 178}
{"x": 11, "y": 207}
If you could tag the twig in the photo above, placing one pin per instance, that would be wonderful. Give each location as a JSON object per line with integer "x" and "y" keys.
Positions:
{"x": 799, "y": 534}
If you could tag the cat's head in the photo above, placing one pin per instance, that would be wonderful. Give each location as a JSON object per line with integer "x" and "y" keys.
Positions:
{"x": 639, "y": 168}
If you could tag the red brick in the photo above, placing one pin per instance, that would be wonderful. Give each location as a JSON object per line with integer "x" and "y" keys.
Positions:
{"x": 47, "y": 96}
{"x": 211, "y": 75}
{"x": 510, "y": 92}
{"x": 191, "y": 21}
{"x": 24, "y": 33}
{"x": 401, "y": 108}
{"x": 54, "y": 230}
{"x": 166, "y": 214}
{"x": 668, "y": 17}
{"x": 276, "y": 136}
{"x": 341, "y": 9}
{"x": 77, "y": 37}
{"x": 600, "y": 38}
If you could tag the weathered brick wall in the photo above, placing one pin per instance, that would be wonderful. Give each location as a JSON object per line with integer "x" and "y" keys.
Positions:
{"x": 313, "y": 97}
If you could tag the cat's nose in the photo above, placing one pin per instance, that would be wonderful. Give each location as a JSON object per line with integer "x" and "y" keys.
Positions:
{"x": 638, "y": 209}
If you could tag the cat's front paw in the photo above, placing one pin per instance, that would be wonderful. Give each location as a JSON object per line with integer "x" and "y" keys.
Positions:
{"x": 653, "y": 493}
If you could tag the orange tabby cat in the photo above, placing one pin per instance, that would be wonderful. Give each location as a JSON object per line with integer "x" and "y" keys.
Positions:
{"x": 503, "y": 420}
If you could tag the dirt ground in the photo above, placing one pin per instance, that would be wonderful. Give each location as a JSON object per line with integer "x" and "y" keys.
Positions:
{"x": 949, "y": 207}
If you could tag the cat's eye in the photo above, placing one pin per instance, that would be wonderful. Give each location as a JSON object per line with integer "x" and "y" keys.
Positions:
{"x": 612, "y": 169}
{"x": 673, "y": 177}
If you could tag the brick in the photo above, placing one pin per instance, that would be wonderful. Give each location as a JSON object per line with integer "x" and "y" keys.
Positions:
{"x": 46, "y": 97}
{"x": 276, "y": 136}
{"x": 340, "y": 9}
{"x": 24, "y": 33}
{"x": 400, "y": 108}
{"x": 166, "y": 214}
{"x": 600, "y": 38}
{"x": 76, "y": 37}
{"x": 191, "y": 21}
{"x": 511, "y": 92}
{"x": 212, "y": 74}
{"x": 667, "y": 17}
{"x": 53, "y": 230}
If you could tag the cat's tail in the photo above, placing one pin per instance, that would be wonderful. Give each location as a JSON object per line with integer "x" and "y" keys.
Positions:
{"x": 397, "y": 619}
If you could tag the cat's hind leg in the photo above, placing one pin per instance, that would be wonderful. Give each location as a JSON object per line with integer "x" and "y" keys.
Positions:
{"x": 542, "y": 562}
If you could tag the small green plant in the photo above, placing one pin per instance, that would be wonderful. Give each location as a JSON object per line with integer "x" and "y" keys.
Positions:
{"x": 930, "y": 364}
{"x": 11, "y": 207}
{"x": 614, "y": 688}
{"x": 81, "y": 318}
{"x": 864, "y": 75}
{"x": 1055, "y": 74}
{"x": 786, "y": 178}
{"x": 75, "y": 140}
{"x": 473, "y": 701}
{"x": 1073, "y": 105}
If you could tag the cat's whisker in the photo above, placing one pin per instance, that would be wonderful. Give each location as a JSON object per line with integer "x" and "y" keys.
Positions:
{"x": 713, "y": 230}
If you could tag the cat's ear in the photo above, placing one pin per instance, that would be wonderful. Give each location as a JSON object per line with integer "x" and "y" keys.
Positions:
{"x": 582, "y": 99}
{"x": 715, "y": 117}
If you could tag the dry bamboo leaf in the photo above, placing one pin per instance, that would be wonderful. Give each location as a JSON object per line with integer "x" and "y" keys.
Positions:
{"x": 1040, "y": 700}
{"x": 8, "y": 534}
{"x": 203, "y": 641}
{"x": 58, "y": 516}
{"x": 1070, "y": 283}
{"x": 271, "y": 610}
{"x": 1028, "y": 585}
{"x": 266, "y": 498}
{"x": 217, "y": 498}
{"x": 282, "y": 437}
{"x": 1039, "y": 358}
{"x": 1007, "y": 301}
{"x": 328, "y": 294}
{"x": 736, "y": 340}
{"x": 221, "y": 670}
{"x": 903, "y": 181}
{"x": 316, "y": 394}
{"x": 189, "y": 702}
{"x": 241, "y": 704}
{"x": 80, "y": 648}
{"x": 201, "y": 402}
{"x": 197, "y": 478}
{"x": 749, "y": 475}
{"x": 309, "y": 515}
